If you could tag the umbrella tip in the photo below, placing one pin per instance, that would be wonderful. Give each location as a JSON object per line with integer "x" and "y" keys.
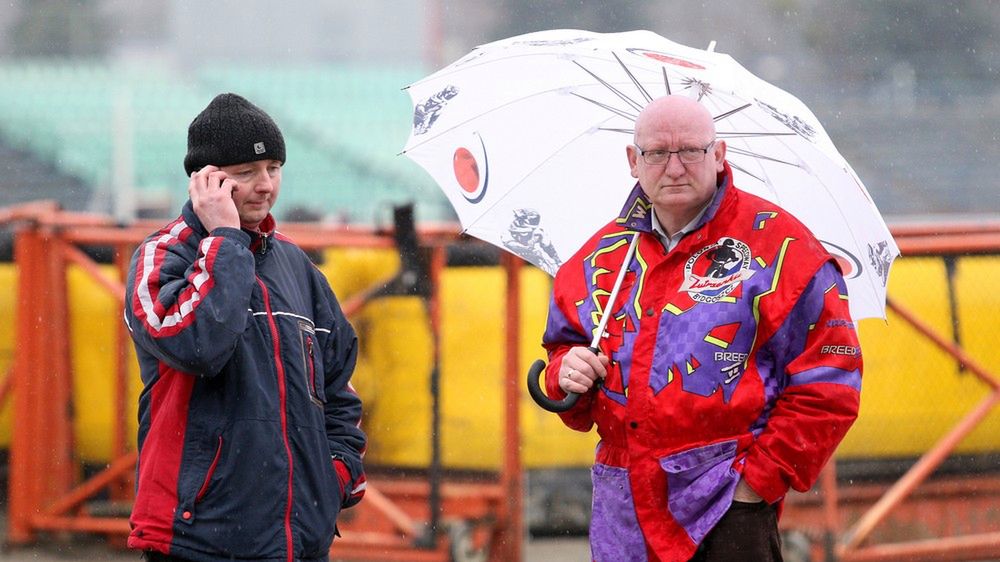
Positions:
{"x": 711, "y": 46}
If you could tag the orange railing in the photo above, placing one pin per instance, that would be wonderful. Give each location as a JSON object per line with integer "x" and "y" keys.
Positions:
{"x": 45, "y": 495}
{"x": 877, "y": 505}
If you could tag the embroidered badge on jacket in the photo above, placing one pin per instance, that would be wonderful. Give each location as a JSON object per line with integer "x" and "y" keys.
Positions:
{"x": 714, "y": 271}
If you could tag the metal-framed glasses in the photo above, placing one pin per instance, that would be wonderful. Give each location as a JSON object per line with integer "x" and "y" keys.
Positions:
{"x": 686, "y": 155}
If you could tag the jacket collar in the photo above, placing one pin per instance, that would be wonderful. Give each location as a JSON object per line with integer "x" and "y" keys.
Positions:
{"x": 258, "y": 240}
{"x": 637, "y": 214}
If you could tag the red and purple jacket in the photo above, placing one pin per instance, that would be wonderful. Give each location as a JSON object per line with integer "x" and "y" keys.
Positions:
{"x": 249, "y": 430}
{"x": 734, "y": 355}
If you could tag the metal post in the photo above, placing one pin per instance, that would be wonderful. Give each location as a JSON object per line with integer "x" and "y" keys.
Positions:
{"x": 22, "y": 488}
{"x": 831, "y": 521}
{"x": 509, "y": 546}
{"x": 41, "y": 462}
{"x": 123, "y": 489}
{"x": 438, "y": 262}
{"x": 950, "y": 269}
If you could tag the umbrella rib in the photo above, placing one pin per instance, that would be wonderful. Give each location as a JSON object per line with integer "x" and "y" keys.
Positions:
{"x": 614, "y": 90}
{"x": 666, "y": 81}
{"x": 731, "y": 112}
{"x": 611, "y": 130}
{"x": 760, "y": 156}
{"x": 745, "y": 171}
{"x": 762, "y": 175}
{"x": 614, "y": 110}
{"x": 632, "y": 77}
{"x": 734, "y": 134}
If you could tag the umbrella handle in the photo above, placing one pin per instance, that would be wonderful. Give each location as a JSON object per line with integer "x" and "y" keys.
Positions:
{"x": 535, "y": 389}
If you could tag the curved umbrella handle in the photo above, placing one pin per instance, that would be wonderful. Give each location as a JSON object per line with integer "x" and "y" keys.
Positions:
{"x": 535, "y": 389}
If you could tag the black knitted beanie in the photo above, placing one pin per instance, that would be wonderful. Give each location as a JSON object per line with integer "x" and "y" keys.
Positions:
{"x": 231, "y": 130}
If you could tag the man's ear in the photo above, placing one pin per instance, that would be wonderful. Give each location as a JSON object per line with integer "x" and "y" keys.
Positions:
{"x": 632, "y": 153}
{"x": 719, "y": 152}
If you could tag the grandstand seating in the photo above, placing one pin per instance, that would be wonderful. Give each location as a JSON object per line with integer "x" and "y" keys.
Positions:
{"x": 344, "y": 127}
{"x": 346, "y": 124}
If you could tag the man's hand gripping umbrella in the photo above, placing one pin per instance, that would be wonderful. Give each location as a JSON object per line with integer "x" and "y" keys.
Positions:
{"x": 538, "y": 367}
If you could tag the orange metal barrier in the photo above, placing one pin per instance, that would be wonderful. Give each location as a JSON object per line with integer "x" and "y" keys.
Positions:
{"x": 913, "y": 497}
{"x": 44, "y": 491}
{"x": 390, "y": 524}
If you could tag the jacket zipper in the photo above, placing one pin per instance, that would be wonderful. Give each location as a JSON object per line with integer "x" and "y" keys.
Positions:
{"x": 312, "y": 368}
{"x": 282, "y": 398}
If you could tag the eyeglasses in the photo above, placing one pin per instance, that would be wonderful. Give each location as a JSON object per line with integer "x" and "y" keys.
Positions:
{"x": 686, "y": 155}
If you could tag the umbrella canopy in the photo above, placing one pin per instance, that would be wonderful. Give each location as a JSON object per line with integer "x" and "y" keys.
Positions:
{"x": 526, "y": 137}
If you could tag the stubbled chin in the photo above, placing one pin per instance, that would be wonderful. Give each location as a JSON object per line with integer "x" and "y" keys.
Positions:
{"x": 254, "y": 215}
{"x": 673, "y": 195}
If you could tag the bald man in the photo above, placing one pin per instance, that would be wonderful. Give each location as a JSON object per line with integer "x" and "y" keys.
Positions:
{"x": 730, "y": 368}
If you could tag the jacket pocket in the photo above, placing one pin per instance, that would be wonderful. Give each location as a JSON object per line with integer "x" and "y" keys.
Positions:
{"x": 614, "y": 527}
{"x": 243, "y": 505}
{"x": 700, "y": 486}
{"x": 312, "y": 364}
{"x": 206, "y": 483}
{"x": 198, "y": 477}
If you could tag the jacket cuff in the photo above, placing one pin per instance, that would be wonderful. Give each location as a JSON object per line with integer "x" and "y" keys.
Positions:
{"x": 578, "y": 417}
{"x": 350, "y": 493}
{"x": 235, "y": 234}
{"x": 764, "y": 478}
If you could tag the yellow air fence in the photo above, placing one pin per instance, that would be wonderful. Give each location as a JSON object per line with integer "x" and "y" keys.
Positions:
{"x": 912, "y": 391}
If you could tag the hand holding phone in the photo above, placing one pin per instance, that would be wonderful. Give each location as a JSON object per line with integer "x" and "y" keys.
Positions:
{"x": 211, "y": 192}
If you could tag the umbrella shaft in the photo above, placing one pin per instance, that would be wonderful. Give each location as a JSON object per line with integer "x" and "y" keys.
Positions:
{"x": 614, "y": 291}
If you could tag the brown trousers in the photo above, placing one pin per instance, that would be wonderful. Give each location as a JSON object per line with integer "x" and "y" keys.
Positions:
{"x": 747, "y": 532}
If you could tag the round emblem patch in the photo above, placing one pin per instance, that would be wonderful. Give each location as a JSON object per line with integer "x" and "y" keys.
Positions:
{"x": 715, "y": 271}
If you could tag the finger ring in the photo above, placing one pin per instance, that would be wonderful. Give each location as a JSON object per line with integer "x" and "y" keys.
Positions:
{"x": 570, "y": 372}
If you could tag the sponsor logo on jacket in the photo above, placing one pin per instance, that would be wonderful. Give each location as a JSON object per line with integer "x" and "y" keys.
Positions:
{"x": 714, "y": 271}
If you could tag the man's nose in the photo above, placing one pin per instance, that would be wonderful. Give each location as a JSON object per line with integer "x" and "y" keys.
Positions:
{"x": 264, "y": 184}
{"x": 674, "y": 167}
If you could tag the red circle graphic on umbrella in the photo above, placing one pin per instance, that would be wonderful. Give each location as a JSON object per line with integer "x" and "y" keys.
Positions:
{"x": 467, "y": 173}
{"x": 466, "y": 170}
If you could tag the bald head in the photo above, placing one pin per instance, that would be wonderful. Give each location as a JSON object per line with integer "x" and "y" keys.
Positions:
{"x": 675, "y": 112}
{"x": 679, "y": 187}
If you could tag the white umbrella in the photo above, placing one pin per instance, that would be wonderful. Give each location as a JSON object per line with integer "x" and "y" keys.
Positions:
{"x": 526, "y": 138}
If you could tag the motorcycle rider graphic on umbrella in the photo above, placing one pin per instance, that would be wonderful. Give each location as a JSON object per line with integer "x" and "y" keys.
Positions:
{"x": 526, "y": 238}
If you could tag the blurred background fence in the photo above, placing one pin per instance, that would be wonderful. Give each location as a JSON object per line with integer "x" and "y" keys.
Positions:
{"x": 928, "y": 370}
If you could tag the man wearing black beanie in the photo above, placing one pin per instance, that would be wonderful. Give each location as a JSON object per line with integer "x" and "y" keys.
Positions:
{"x": 249, "y": 429}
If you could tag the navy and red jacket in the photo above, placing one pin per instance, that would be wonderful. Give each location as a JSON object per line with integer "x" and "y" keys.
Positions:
{"x": 249, "y": 430}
